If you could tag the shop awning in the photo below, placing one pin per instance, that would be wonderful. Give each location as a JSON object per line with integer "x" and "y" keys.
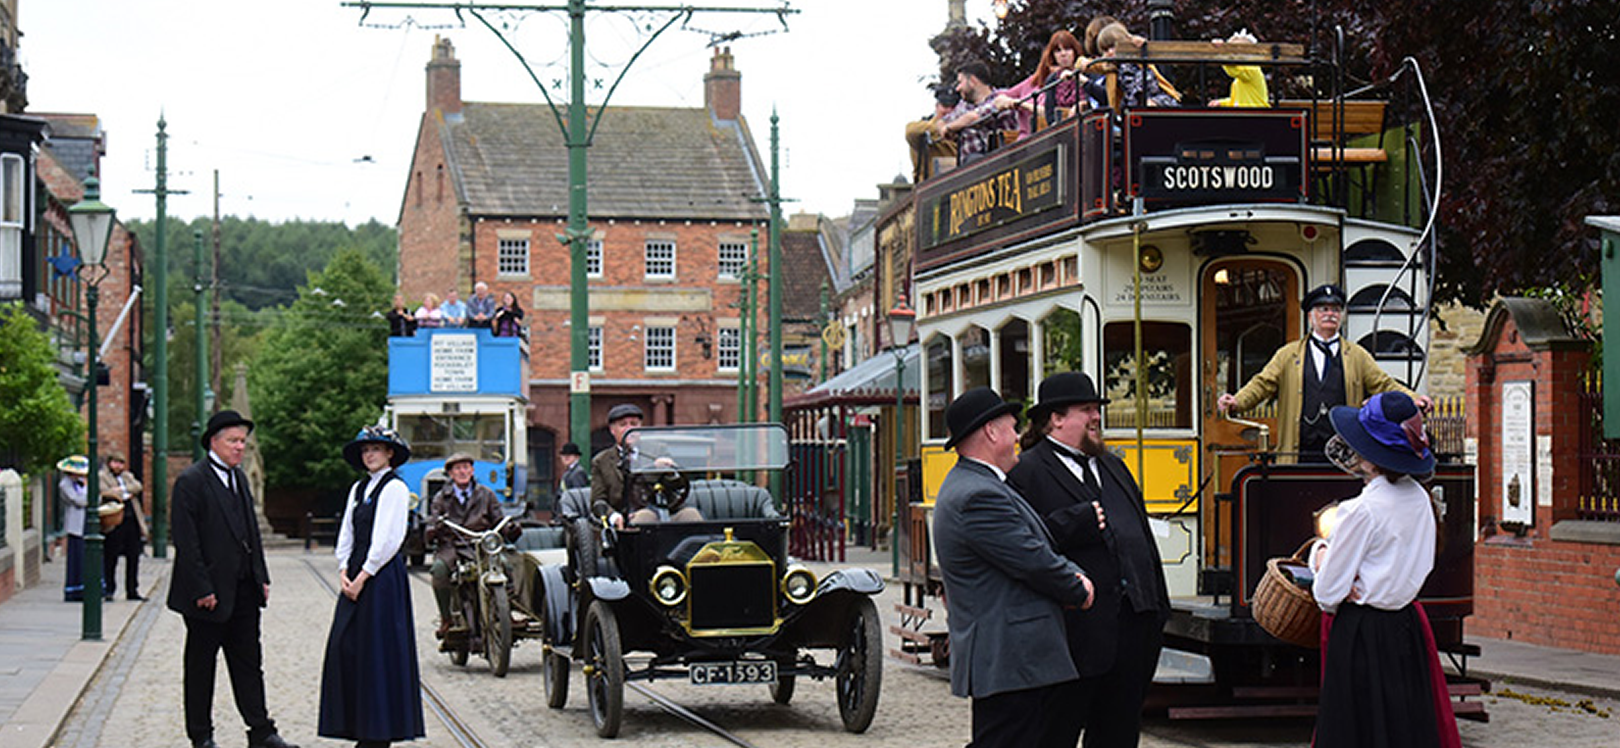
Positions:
{"x": 870, "y": 382}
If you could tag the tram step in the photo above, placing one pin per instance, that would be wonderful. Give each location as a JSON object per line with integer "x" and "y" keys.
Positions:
{"x": 1243, "y": 711}
{"x": 913, "y": 635}
{"x": 921, "y": 614}
{"x": 906, "y": 657}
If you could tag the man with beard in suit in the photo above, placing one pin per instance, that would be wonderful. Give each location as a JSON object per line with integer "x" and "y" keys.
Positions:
{"x": 1094, "y": 510}
{"x": 220, "y": 582}
{"x": 1005, "y": 584}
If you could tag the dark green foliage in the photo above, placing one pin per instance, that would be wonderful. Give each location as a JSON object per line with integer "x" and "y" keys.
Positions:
{"x": 241, "y": 335}
{"x": 38, "y": 424}
{"x": 322, "y": 373}
{"x": 262, "y": 262}
{"x": 1525, "y": 99}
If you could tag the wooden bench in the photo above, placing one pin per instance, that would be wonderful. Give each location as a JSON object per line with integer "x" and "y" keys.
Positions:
{"x": 1360, "y": 117}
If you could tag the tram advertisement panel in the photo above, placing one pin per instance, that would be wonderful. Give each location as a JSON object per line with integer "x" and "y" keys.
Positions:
{"x": 1182, "y": 157}
{"x": 1017, "y": 192}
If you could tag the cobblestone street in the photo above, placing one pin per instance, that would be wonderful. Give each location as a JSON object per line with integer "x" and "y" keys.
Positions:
{"x": 134, "y": 701}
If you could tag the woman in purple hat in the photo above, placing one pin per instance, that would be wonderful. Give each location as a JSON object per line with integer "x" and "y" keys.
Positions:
{"x": 1381, "y": 682}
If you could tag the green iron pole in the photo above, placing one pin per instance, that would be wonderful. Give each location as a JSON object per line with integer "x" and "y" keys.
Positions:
{"x": 92, "y": 521}
{"x": 579, "y": 320}
{"x": 899, "y": 448}
{"x": 753, "y": 327}
{"x": 159, "y": 485}
{"x": 775, "y": 271}
{"x": 743, "y": 313}
{"x": 201, "y": 385}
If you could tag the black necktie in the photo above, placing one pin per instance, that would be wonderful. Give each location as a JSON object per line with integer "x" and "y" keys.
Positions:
{"x": 1087, "y": 481}
{"x": 1330, "y": 358}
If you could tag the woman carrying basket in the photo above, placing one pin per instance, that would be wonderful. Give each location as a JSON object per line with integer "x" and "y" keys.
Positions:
{"x": 1381, "y": 678}
{"x": 371, "y": 690}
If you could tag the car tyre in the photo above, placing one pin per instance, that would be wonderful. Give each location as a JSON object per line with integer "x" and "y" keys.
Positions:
{"x": 604, "y": 660}
{"x": 782, "y": 689}
{"x": 554, "y": 670}
{"x": 860, "y": 667}
{"x": 586, "y": 552}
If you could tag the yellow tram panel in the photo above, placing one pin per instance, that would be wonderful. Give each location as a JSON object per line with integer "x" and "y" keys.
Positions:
{"x": 937, "y": 462}
{"x": 1172, "y": 471}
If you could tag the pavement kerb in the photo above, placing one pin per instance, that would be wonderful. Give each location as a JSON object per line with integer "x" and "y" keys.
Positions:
{"x": 1499, "y": 679}
{"x": 39, "y": 719}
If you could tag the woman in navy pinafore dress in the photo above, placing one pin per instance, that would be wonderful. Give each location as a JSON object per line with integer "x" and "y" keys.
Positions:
{"x": 371, "y": 690}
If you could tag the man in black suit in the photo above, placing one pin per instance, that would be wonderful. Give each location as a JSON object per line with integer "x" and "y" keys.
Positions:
{"x": 1004, "y": 584}
{"x": 219, "y": 583}
{"x": 1094, "y": 509}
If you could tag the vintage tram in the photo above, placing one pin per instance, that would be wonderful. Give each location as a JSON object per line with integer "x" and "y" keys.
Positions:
{"x": 1165, "y": 253}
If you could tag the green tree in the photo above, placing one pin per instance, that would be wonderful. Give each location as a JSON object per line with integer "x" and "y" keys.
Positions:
{"x": 322, "y": 373}
{"x": 240, "y": 337}
{"x": 38, "y": 424}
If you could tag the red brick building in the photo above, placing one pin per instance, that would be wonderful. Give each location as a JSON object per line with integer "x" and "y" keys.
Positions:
{"x": 672, "y": 198}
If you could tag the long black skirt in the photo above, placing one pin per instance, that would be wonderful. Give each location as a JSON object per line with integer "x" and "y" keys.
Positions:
{"x": 1376, "y": 688}
{"x": 371, "y": 688}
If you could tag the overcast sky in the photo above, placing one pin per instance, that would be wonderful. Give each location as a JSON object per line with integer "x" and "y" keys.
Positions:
{"x": 307, "y": 114}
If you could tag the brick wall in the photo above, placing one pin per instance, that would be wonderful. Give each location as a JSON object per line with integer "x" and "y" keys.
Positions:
{"x": 1530, "y": 586}
{"x": 1455, "y": 327}
{"x": 430, "y": 222}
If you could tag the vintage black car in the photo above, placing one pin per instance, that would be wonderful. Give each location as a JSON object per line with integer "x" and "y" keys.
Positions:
{"x": 716, "y": 602}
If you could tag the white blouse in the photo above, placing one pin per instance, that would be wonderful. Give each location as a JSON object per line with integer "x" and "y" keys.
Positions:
{"x": 387, "y": 530}
{"x": 1381, "y": 550}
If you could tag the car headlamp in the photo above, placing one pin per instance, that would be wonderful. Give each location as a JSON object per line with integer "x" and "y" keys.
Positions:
{"x": 799, "y": 585}
{"x": 491, "y": 543}
{"x": 669, "y": 585}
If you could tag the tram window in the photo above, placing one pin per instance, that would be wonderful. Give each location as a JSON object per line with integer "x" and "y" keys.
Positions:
{"x": 939, "y": 383}
{"x": 1003, "y": 286}
{"x": 975, "y": 344}
{"x": 1367, "y": 299}
{"x": 1015, "y": 352}
{"x": 1060, "y": 343}
{"x": 1167, "y": 357}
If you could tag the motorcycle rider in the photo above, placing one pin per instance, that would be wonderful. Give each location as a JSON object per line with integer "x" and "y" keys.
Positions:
{"x": 466, "y": 503}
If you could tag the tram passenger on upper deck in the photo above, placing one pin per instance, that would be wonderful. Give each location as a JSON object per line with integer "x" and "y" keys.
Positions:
{"x": 925, "y": 149}
{"x": 978, "y": 120}
{"x": 1339, "y": 372}
{"x": 1133, "y": 84}
{"x": 1059, "y": 68}
{"x": 455, "y": 312}
{"x": 1248, "y": 81}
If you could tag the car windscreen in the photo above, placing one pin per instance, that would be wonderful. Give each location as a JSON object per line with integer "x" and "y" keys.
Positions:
{"x": 707, "y": 449}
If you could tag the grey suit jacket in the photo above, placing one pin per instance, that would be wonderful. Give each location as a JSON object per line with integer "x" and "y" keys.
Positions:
{"x": 1004, "y": 585}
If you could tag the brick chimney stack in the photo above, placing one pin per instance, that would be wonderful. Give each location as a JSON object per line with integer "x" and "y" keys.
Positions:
{"x": 722, "y": 86}
{"x": 444, "y": 78}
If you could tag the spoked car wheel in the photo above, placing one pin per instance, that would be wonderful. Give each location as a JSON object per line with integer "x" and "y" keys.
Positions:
{"x": 498, "y": 631}
{"x": 860, "y": 667}
{"x": 604, "y": 669}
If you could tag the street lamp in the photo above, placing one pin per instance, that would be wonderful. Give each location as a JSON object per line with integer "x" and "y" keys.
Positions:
{"x": 92, "y": 222}
{"x": 902, "y": 321}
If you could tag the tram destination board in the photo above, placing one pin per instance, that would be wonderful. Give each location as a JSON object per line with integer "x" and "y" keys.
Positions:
{"x": 1014, "y": 193}
{"x": 1193, "y": 157}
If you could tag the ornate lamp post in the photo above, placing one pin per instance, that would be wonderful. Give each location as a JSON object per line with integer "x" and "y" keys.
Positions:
{"x": 902, "y": 321}
{"x": 92, "y": 222}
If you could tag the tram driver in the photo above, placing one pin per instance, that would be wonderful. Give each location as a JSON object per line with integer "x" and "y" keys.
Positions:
{"x": 1310, "y": 376}
{"x": 643, "y": 499}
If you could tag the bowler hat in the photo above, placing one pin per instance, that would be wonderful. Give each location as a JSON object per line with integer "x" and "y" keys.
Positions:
{"x": 570, "y": 448}
{"x": 624, "y": 410}
{"x": 377, "y": 435}
{"x": 221, "y": 421}
{"x": 1388, "y": 432}
{"x": 1062, "y": 389}
{"x": 974, "y": 409}
{"x": 1327, "y": 293}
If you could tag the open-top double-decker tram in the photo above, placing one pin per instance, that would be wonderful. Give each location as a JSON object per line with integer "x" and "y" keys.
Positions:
{"x": 1165, "y": 252}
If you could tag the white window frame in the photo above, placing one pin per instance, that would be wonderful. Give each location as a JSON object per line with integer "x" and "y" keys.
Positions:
{"x": 665, "y": 266}
{"x": 509, "y": 256}
{"x": 593, "y": 258}
{"x": 659, "y": 345}
{"x": 593, "y": 347}
{"x": 13, "y": 222}
{"x": 728, "y": 344}
{"x": 731, "y": 267}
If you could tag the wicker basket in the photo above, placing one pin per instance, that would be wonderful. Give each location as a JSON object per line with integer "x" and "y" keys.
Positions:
{"x": 111, "y": 513}
{"x": 1283, "y": 609}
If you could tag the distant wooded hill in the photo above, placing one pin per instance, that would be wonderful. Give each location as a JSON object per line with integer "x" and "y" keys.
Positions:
{"x": 263, "y": 263}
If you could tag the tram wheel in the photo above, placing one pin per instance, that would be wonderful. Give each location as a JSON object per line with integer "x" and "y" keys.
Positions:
{"x": 604, "y": 682}
{"x": 860, "y": 667}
